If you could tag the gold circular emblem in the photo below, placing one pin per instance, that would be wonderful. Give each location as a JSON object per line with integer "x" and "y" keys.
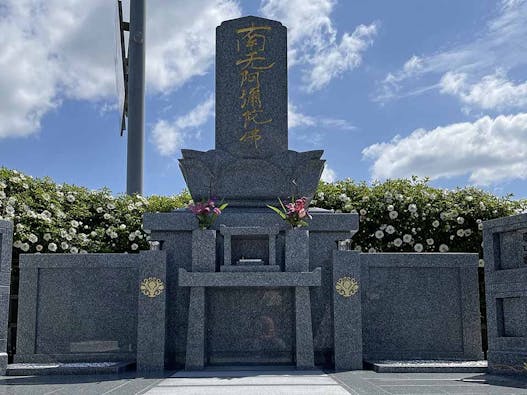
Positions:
{"x": 152, "y": 287}
{"x": 347, "y": 286}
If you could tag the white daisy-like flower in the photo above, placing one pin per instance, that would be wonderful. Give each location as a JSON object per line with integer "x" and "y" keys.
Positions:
{"x": 17, "y": 244}
{"x": 74, "y": 223}
{"x": 24, "y": 247}
{"x": 390, "y": 207}
{"x": 10, "y": 210}
{"x": 468, "y": 232}
{"x": 32, "y": 238}
{"x": 2, "y": 195}
{"x": 134, "y": 246}
{"x": 365, "y": 198}
{"x": 390, "y": 229}
{"x": 460, "y": 232}
{"x": 74, "y": 250}
{"x": 379, "y": 234}
{"x": 107, "y": 216}
{"x": 430, "y": 242}
{"x": 460, "y": 220}
{"x": 39, "y": 248}
{"x": 122, "y": 226}
{"x": 443, "y": 216}
{"x": 72, "y": 231}
{"x": 393, "y": 214}
{"x": 83, "y": 252}
{"x": 52, "y": 247}
{"x": 399, "y": 197}
{"x": 397, "y": 242}
{"x": 70, "y": 198}
{"x": 480, "y": 226}
{"x": 435, "y": 224}
{"x": 93, "y": 233}
{"x": 372, "y": 250}
{"x": 362, "y": 211}
{"x": 320, "y": 196}
{"x": 469, "y": 198}
{"x": 443, "y": 248}
{"x": 99, "y": 210}
{"x": 358, "y": 248}
{"x": 482, "y": 205}
{"x": 452, "y": 237}
{"x": 64, "y": 245}
{"x": 47, "y": 236}
{"x": 343, "y": 197}
{"x": 412, "y": 208}
{"x": 418, "y": 247}
{"x": 407, "y": 238}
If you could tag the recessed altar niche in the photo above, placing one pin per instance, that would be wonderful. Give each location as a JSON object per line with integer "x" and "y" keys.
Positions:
{"x": 250, "y": 326}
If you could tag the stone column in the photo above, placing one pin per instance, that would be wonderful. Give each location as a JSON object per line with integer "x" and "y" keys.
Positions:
{"x": 347, "y": 312}
{"x": 151, "y": 312}
{"x": 203, "y": 250}
{"x": 297, "y": 250}
{"x": 6, "y": 245}
{"x": 203, "y": 260}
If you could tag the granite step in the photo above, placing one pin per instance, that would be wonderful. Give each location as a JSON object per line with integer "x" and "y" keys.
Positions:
{"x": 36, "y": 369}
{"x": 428, "y": 366}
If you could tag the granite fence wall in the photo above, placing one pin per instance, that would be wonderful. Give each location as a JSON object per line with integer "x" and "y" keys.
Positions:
{"x": 6, "y": 241}
{"x": 92, "y": 308}
{"x": 420, "y": 306}
{"x": 505, "y": 255}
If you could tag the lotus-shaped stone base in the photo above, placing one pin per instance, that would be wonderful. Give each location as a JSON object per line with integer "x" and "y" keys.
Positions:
{"x": 251, "y": 182}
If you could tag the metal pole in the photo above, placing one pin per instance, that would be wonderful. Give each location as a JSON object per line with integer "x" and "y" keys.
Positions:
{"x": 136, "y": 98}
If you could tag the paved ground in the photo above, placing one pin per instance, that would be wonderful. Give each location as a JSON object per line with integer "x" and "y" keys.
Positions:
{"x": 266, "y": 382}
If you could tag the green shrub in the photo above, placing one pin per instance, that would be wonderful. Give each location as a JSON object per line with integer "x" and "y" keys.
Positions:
{"x": 397, "y": 215}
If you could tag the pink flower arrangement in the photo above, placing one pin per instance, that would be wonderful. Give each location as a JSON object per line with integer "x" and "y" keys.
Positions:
{"x": 206, "y": 212}
{"x": 294, "y": 212}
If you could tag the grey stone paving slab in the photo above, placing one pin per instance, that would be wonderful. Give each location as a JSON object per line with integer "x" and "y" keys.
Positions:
{"x": 248, "y": 382}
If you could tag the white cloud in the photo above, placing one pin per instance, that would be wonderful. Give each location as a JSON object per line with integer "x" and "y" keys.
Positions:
{"x": 328, "y": 174}
{"x": 169, "y": 136}
{"x": 312, "y": 39}
{"x": 500, "y": 44}
{"x": 487, "y": 150}
{"x": 54, "y": 50}
{"x": 493, "y": 91}
{"x": 166, "y": 137}
{"x": 296, "y": 119}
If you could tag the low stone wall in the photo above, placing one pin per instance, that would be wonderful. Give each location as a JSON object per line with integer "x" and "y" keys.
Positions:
{"x": 420, "y": 306}
{"x": 6, "y": 241}
{"x": 92, "y": 308}
{"x": 505, "y": 254}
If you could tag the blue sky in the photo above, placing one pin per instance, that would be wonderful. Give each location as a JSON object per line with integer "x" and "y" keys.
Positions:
{"x": 388, "y": 89}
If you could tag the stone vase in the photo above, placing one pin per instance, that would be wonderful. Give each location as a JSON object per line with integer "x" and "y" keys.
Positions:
{"x": 297, "y": 250}
{"x": 203, "y": 250}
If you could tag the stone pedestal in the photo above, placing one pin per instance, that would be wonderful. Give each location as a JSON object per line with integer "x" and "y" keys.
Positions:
{"x": 347, "y": 311}
{"x": 297, "y": 250}
{"x": 203, "y": 250}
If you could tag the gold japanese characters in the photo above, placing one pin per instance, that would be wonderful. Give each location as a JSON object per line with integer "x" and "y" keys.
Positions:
{"x": 252, "y": 63}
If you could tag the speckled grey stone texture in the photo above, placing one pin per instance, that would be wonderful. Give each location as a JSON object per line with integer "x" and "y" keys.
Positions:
{"x": 297, "y": 250}
{"x": 151, "y": 315}
{"x": 347, "y": 313}
{"x": 77, "y": 307}
{"x": 251, "y": 172}
{"x": 505, "y": 252}
{"x": 204, "y": 250}
{"x": 420, "y": 306}
{"x": 6, "y": 245}
{"x": 251, "y": 279}
{"x": 250, "y": 325}
{"x": 195, "y": 353}
{"x": 305, "y": 358}
{"x": 175, "y": 230}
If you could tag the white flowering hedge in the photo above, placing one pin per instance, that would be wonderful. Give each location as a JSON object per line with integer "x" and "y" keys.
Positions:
{"x": 53, "y": 218}
{"x": 411, "y": 216}
{"x": 397, "y": 215}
